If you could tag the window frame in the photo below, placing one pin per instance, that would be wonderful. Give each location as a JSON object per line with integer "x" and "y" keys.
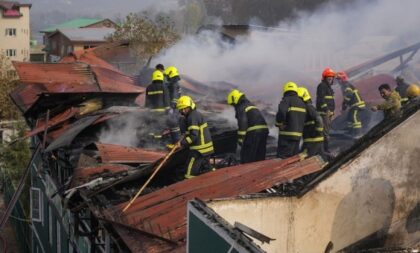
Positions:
{"x": 40, "y": 204}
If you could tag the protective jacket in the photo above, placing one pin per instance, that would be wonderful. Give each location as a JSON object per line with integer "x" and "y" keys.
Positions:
{"x": 391, "y": 106}
{"x": 174, "y": 90}
{"x": 249, "y": 118}
{"x": 402, "y": 91}
{"x": 291, "y": 116}
{"x": 157, "y": 97}
{"x": 351, "y": 96}
{"x": 324, "y": 98}
{"x": 313, "y": 128}
{"x": 197, "y": 135}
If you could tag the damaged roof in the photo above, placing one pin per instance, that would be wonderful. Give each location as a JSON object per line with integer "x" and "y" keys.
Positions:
{"x": 163, "y": 212}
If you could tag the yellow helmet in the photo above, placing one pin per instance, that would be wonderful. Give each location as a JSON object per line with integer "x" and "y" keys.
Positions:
{"x": 303, "y": 93}
{"x": 184, "y": 102}
{"x": 157, "y": 75}
{"x": 413, "y": 91}
{"x": 233, "y": 97}
{"x": 290, "y": 86}
{"x": 171, "y": 71}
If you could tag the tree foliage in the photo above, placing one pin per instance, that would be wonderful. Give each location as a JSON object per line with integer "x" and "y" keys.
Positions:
{"x": 147, "y": 36}
{"x": 15, "y": 157}
{"x": 8, "y": 81}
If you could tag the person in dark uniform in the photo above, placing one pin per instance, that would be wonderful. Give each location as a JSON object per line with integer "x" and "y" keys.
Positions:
{"x": 252, "y": 128}
{"x": 173, "y": 84}
{"x": 157, "y": 100}
{"x": 352, "y": 100}
{"x": 325, "y": 103}
{"x": 290, "y": 120}
{"x": 197, "y": 138}
{"x": 313, "y": 137}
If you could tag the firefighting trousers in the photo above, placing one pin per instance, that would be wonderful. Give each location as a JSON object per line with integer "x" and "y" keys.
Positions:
{"x": 254, "y": 146}
{"x": 287, "y": 147}
{"x": 354, "y": 123}
{"x": 196, "y": 164}
{"x": 326, "y": 120}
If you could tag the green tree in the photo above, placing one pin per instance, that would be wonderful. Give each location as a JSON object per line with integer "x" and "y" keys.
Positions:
{"x": 147, "y": 36}
{"x": 8, "y": 82}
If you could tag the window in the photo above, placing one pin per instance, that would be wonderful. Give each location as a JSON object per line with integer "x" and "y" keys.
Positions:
{"x": 11, "y": 32}
{"x": 50, "y": 225}
{"x": 10, "y": 52}
{"x": 58, "y": 237}
{"x": 36, "y": 204}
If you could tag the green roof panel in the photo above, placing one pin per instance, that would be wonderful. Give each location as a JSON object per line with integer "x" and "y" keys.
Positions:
{"x": 75, "y": 23}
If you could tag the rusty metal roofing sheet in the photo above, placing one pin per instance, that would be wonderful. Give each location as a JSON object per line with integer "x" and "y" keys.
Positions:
{"x": 89, "y": 57}
{"x": 166, "y": 209}
{"x": 111, "y": 153}
{"x": 68, "y": 136}
{"x": 86, "y": 174}
{"x": 53, "y": 122}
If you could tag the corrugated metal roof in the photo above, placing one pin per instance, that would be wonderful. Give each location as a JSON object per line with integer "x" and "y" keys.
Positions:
{"x": 86, "y": 174}
{"x": 53, "y": 122}
{"x": 165, "y": 209}
{"x": 61, "y": 78}
{"x": 87, "y": 34}
{"x": 111, "y": 153}
{"x": 74, "y": 23}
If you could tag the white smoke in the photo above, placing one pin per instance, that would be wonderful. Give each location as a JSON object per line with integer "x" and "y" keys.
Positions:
{"x": 338, "y": 36}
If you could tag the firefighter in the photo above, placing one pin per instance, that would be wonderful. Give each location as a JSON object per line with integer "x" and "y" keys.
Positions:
{"x": 313, "y": 138}
{"x": 173, "y": 84}
{"x": 290, "y": 120}
{"x": 157, "y": 100}
{"x": 402, "y": 87}
{"x": 160, "y": 67}
{"x": 325, "y": 103}
{"x": 413, "y": 92}
{"x": 197, "y": 138}
{"x": 252, "y": 128}
{"x": 352, "y": 100}
{"x": 392, "y": 104}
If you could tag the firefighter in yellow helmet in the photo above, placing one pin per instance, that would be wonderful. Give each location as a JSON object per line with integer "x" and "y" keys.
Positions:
{"x": 413, "y": 92}
{"x": 313, "y": 137}
{"x": 252, "y": 128}
{"x": 157, "y": 100}
{"x": 290, "y": 120}
{"x": 174, "y": 88}
{"x": 197, "y": 138}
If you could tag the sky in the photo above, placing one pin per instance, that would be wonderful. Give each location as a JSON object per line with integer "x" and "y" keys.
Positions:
{"x": 333, "y": 36}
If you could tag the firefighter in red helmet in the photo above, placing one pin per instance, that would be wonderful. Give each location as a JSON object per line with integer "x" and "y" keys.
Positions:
{"x": 353, "y": 101}
{"x": 325, "y": 104}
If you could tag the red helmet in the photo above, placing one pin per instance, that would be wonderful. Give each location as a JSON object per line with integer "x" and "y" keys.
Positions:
{"x": 328, "y": 72}
{"x": 342, "y": 76}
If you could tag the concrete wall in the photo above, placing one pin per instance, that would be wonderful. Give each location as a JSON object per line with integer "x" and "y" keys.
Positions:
{"x": 20, "y": 42}
{"x": 372, "y": 201}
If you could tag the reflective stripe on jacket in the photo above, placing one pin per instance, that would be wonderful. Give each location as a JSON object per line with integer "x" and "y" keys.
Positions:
{"x": 157, "y": 97}
{"x": 249, "y": 118}
{"x": 351, "y": 96}
{"x": 324, "y": 98}
{"x": 291, "y": 116}
{"x": 313, "y": 129}
{"x": 197, "y": 136}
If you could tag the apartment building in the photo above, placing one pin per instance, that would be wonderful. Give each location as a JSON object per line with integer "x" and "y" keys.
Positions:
{"x": 14, "y": 30}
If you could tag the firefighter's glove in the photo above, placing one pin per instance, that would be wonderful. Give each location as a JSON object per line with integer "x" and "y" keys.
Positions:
{"x": 240, "y": 142}
{"x": 330, "y": 113}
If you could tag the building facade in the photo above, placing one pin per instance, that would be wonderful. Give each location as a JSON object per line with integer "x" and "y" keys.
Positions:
{"x": 15, "y": 30}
